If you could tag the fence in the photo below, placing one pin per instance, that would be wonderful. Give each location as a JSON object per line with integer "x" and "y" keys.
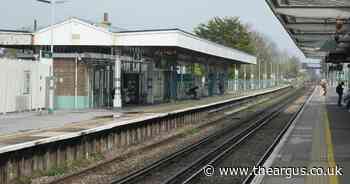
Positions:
{"x": 236, "y": 86}
{"x": 22, "y": 84}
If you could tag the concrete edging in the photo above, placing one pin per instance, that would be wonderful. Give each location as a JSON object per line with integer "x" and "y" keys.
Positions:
{"x": 29, "y": 144}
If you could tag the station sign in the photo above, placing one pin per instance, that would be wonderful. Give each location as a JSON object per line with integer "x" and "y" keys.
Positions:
{"x": 15, "y": 39}
{"x": 337, "y": 58}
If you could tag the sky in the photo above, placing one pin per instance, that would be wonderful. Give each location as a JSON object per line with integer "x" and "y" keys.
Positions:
{"x": 151, "y": 14}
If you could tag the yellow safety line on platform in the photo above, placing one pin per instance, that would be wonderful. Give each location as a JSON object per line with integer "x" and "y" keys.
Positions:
{"x": 330, "y": 152}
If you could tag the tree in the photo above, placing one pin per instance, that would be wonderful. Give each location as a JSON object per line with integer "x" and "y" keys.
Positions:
{"x": 293, "y": 67}
{"x": 228, "y": 31}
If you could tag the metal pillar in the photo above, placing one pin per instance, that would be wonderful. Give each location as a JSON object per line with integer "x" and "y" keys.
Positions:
{"x": 150, "y": 73}
{"x": 245, "y": 78}
{"x": 259, "y": 73}
{"x": 278, "y": 70}
{"x": 272, "y": 78}
{"x": 252, "y": 85}
{"x": 101, "y": 86}
{"x": 117, "y": 103}
{"x": 236, "y": 78}
{"x": 265, "y": 75}
{"x": 93, "y": 72}
{"x": 88, "y": 86}
{"x": 51, "y": 88}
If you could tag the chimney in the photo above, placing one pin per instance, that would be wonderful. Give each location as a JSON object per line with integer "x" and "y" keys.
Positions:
{"x": 35, "y": 25}
{"x": 105, "y": 17}
{"x": 105, "y": 23}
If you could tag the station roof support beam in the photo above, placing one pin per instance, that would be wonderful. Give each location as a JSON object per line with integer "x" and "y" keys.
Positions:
{"x": 328, "y": 12}
{"x": 317, "y": 27}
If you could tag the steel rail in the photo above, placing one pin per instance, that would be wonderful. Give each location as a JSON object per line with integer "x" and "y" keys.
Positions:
{"x": 211, "y": 110}
{"x": 139, "y": 173}
{"x": 222, "y": 150}
{"x": 144, "y": 171}
{"x": 249, "y": 132}
{"x": 270, "y": 150}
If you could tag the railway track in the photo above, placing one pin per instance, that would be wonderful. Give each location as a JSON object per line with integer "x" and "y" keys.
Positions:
{"x": 196, "y": 150}
{"x": 252, "y": 142}
{"x": 185, "y": 165}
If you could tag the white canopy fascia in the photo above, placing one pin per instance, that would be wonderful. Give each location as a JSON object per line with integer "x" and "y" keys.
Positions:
{"x": 77, "y": 32}
{"x": 179, "y": 38}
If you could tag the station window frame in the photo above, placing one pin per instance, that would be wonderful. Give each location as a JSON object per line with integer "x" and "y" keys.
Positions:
{"x": 27, "y": 82}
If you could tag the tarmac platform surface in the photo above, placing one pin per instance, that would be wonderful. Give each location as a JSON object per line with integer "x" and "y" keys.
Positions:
{"x": 23, "y": 130}
{"x": 319, "y": 138}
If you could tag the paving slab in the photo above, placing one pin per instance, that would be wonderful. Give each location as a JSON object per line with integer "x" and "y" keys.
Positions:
{"x": 22, "y": 122}
{"x": 319, "y": 137}
{"x": 31, "y": 129}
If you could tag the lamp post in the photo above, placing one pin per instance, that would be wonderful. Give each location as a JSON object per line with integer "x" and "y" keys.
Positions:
{"x": 52, "y": 4}
{"x": 259, "y": 73}
{"x": 245, "y": 79}
{"x": 272, "y": 77}
{"x": 265, "y": 75}
{"x": 278, "y": 72}
{"x": 51, "y": 79}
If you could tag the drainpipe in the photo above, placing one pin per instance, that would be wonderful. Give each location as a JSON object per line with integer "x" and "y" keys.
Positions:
{"x": 259, "y": 73}
{"x": 76, "y": 83}
{"x": 245, "y": 78}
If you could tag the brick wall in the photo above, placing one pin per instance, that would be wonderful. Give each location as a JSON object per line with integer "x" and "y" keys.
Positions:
{"x": 64, "y": 70}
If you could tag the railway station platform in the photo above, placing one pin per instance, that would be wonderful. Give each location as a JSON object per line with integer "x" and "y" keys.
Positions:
{"x": 318, "y": 139}
{"x": 24, "y": 130}
{"x": 28, "y": 121}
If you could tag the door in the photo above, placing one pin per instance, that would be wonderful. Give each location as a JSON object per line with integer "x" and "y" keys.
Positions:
{"x": 131, "y": 88}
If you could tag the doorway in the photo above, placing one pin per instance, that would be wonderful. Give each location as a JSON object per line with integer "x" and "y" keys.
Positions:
{"x": 131, "y": 88}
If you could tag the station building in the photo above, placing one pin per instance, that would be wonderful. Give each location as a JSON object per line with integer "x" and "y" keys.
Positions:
{"x": 96, "y": 66}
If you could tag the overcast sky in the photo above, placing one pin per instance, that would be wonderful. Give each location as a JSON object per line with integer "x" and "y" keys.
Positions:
{"x": 141, "y": 14}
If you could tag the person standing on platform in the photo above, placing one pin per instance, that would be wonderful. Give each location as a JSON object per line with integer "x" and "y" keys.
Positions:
{"x": 221, "y": 88}
{"x": 323, "y": 84}
{"x": 340, "y": 92}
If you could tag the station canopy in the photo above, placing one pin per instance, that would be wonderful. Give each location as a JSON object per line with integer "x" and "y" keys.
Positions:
{"x": 318, "y": 27}
{"x": 78, "y": 32}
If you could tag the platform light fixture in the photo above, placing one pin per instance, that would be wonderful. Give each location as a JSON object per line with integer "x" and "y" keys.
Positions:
{"x": 52, "y": 3}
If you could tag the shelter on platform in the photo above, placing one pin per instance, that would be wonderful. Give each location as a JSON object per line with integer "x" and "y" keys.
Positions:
{"x": 320, "y": 28}
{"x": 95, "y": 66}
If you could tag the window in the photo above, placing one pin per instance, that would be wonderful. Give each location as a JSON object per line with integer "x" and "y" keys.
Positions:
{"x": 27, "y": 84}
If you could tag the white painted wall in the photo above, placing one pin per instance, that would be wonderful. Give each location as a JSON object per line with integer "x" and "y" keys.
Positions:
{"x": 74, "y": 32}
{"x": 12, "y": 76}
